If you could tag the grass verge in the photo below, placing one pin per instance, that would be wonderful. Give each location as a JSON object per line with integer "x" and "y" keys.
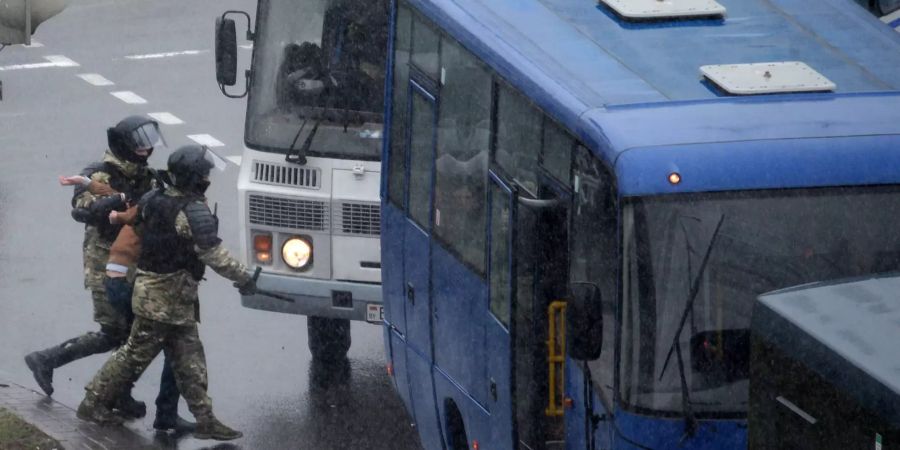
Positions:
{"x": 16, "y": 434}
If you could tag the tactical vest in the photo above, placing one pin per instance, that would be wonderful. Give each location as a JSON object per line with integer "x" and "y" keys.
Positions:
{"x": 133, "y": 188}
{"x": 162, "y": 249}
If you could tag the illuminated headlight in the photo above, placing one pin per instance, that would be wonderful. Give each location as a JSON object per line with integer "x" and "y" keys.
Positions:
{"x": 297, "y": 252}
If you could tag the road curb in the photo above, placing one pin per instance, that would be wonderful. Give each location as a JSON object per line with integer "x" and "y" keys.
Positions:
{"x": 59, "y": 422}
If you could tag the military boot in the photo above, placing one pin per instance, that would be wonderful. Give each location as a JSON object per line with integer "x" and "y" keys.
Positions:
{"x": 42, "y": 369}
{"x": 92, "y": 410}
{"x": 43, "y": 362}
{"x": 211, "y": 428}
{"x": 130, "y": 408}
{"x": 168, "y": 422}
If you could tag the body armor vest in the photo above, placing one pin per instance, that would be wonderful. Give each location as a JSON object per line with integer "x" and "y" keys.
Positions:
{"x": 133, "y": 188}
{"x": 163, "y": 250}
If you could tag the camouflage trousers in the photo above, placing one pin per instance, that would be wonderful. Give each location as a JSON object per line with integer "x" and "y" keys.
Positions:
{"x": 181, "y": 345}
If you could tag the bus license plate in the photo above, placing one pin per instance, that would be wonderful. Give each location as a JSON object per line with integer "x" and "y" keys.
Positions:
{"x": 374, "y": 313}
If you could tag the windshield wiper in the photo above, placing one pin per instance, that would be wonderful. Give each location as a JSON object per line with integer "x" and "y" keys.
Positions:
{"x": 690, "y": 420}
{"x": 300, "y": 157}
{"x": 301, "y": 154}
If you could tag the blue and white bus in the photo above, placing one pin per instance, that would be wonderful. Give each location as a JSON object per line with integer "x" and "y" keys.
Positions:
{"x": 581, "y": 201}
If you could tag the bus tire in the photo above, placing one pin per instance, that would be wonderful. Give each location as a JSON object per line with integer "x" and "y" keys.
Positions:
{"x": 329, "y": 339}
{"x": 456, "y": 427}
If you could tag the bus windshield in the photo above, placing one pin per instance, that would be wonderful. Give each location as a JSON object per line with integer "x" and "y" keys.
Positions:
{"x": 318, "y": 78}
{"x": 706, "y": 257}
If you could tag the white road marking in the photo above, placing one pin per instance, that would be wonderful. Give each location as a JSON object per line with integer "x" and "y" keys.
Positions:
{"x": 234, "y": 159}
{"x": 96, "y": 79}
{"x": 205, "y": 139}
{"x": 166, "y": 118}
{"x": 129, "y": 97}
{"x": 34, "y": 44}
{"x": 61, "y": 61}
{"x": 165, "y": 55}
{"x": 53, "y": 61}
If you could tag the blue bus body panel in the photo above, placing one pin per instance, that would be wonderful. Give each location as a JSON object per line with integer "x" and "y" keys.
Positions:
{"x": 574, "y": 419}
{"x": 396, "y": 352}
{"x": 392, "y": 260}
{"x": 422, "y": 395}
{"x": 666, "y": 434}
{"x": 575, "y": 48}
{"x": 460, "y": 302}
{"x": 818, "y": 162}
{"x": 578, "y": 61}
{"x": 745, "y": 119}
{"x": 753, "y": 143}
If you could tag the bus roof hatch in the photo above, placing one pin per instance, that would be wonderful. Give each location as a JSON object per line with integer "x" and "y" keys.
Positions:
{"x": 767, "y": 78}
{"x": 664, "y": 9}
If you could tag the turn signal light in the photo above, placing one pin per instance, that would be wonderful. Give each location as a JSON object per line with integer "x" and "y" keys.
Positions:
{"x": 262, "y": 243}
{"x": 264, "y": 257}
{"x": 475, "y": 445}
{"x": 674, "y": 178}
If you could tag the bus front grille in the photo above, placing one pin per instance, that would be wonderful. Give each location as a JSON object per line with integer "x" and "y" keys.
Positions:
{"x": 288, "y": 213}
{"x": 356, "y": 219}
{"x": 292, "y": 176}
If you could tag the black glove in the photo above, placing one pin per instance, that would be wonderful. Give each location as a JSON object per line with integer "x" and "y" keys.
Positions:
{"x": 246, "y": 288}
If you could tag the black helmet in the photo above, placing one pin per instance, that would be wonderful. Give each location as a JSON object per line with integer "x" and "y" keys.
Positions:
{"x": 134, "y": 138}
{"x": 189, "y": 167}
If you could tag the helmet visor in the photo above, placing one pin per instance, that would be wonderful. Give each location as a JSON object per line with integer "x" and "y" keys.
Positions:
{"x": 213, "y": 158}
{"x": 147, "y": 136}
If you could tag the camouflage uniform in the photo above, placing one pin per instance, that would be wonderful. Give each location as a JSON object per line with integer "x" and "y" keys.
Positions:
{"x": 96, "y": 248}
{"x": 166, "y": 307}
{"x": 130, "y": 177}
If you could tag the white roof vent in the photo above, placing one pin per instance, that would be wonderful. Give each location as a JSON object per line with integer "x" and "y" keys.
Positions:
{"x": 767, "y": 78}
{"x": 665, "y": 9}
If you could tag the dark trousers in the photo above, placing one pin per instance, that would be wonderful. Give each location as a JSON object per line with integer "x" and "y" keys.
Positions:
{"x": 118, "y": 292}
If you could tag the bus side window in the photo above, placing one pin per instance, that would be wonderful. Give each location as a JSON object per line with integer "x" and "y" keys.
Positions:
{"x": 593, "y": 250}
{"x": 518, "y": 138}
{"x": 400, "y": 106}
{"x": 462, "y": 154}
{"x": 556, "y": 153}
{"x": 425, "y": 48}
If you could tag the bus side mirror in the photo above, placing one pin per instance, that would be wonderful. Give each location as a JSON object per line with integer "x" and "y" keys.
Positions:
{"x": 226, "y": 52}
{"x": 584, "y": 322}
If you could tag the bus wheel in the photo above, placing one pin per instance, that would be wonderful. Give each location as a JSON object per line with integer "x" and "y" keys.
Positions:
{"x": 329, "y": 339}
{"x": 456, "y": 429}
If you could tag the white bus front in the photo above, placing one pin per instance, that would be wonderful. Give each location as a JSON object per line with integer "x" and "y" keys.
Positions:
{"x": 310, "y": 173}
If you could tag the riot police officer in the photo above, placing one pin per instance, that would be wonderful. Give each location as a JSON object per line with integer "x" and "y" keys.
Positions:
{"x": 180, "y": 238}
{"x": 124, "y": 169}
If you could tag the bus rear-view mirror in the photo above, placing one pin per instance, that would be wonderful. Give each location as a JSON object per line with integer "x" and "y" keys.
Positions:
{"x": 584, "y": 322}
{"x": 226, "y": 52}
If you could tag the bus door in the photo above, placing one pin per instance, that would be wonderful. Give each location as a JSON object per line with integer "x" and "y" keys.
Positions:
{"x": 500, "y": 328}
{"x": 528, "y": 273}
{"x": 417, "y": 254}
{"x": 542, "y": 280}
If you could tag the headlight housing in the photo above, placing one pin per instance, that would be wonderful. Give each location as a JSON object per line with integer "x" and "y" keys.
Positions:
{"x": 297, "y": 252}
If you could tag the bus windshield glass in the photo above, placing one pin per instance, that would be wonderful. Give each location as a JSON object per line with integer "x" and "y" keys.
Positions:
{"x": 694, "y": 264}
{"x": 317, "y": 78}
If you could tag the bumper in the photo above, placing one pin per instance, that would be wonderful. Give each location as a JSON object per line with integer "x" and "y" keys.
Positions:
{"x": 314, "y": 297}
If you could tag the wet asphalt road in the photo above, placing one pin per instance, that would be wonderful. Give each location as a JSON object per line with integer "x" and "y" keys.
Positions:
{"x": 53, "y": 122}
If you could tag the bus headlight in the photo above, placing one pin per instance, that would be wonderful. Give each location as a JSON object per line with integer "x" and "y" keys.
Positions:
{"x": 297, "y": 252}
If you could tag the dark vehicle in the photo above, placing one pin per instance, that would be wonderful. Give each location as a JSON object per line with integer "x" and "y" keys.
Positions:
{"x": 825, "y": 367}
